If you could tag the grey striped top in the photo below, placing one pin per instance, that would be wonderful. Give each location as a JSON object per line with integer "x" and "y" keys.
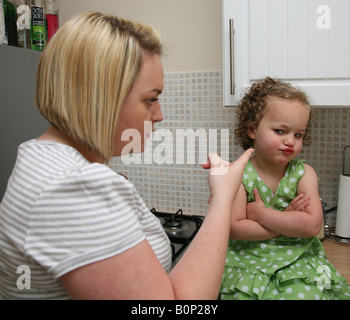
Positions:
{"x": 61, "y": 212}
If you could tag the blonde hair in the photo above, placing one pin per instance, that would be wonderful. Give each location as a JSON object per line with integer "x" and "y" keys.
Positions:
{"x": 86, "y": 72}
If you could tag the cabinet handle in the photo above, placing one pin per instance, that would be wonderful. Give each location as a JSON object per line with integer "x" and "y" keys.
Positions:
{"x": 232, "y": 56}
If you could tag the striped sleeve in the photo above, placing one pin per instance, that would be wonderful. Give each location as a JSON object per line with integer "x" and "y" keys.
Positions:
{"x": 83, "y": 218}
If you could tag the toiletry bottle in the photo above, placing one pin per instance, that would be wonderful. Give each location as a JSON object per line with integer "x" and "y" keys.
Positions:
{"x": 38, "y": 25}
{"x": 52, "y": 18}
{"x": 10, "y": 22}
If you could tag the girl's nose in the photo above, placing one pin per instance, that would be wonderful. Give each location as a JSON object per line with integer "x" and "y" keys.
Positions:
{"x": 289, "y": 140}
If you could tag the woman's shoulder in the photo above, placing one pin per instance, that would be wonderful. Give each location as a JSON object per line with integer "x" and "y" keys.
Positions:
{"x": 60, "y": 166}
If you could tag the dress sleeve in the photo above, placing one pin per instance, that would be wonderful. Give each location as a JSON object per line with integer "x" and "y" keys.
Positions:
{"x": 87, "y": 216}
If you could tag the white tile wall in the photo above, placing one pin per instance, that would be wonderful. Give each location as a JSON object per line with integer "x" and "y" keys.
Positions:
{"x": 194, "y": 100}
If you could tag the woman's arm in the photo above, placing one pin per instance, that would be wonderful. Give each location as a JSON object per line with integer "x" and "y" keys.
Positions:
{"x": 304, "y": 223}
{"x": 243, "y": 228}
{"x": 137, "y": 274}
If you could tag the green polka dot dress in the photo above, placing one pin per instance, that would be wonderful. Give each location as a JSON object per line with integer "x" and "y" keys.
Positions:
{"x": 284, "y": 267}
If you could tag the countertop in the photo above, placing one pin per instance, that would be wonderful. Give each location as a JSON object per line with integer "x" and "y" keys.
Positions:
{"x": 339, "y": 255}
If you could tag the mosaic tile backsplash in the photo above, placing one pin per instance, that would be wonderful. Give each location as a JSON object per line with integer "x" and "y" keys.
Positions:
{"x": 170, "y": 177}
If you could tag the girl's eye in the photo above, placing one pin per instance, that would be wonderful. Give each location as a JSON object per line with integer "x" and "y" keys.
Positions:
{"x": 299, "y": 135}
{"x": 279, "y": 131}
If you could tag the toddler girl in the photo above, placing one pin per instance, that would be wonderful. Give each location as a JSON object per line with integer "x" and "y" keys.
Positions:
{"x": 274, "y": 251}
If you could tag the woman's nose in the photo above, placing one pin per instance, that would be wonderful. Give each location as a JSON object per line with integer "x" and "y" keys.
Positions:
{"x": 157, "y": 114}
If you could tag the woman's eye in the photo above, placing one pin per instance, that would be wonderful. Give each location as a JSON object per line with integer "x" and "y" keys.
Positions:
{"x": 151, "y": 101}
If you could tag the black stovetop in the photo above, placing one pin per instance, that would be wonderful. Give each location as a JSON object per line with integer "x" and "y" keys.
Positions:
{"x": 180, "y": 228}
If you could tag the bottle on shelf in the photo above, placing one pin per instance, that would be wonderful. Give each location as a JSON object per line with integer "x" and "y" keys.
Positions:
{"x": 38, "y": 25}
{"x": 52, "y": 9}
{"x": 10, "y": 22}
{"x": 23, "y": 23}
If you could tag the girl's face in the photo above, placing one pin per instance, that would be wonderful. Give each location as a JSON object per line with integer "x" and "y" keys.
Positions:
{"x": 279, "y": 136}
{"x": 141, "y": 108}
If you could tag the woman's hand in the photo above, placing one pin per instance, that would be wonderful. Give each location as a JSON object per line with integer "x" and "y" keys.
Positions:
{"x": 224, "y": 177}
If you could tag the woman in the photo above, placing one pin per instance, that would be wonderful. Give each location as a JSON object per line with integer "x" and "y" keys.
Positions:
{"x": 80, "y": 228}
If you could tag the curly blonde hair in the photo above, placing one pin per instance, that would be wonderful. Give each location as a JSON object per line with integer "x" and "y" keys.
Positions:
{"x": 251, "y": 108}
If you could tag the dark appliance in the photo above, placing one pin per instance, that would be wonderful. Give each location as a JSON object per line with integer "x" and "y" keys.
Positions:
{"x": 180, "y": 228}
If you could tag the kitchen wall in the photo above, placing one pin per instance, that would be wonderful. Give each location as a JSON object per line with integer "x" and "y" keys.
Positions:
{"x": 191, "y": 29}
{"x": 193, "y": 99}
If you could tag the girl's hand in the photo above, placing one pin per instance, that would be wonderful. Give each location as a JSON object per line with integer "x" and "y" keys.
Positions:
{"x": 256, "y": 207}
{"x": 299, "y": 203}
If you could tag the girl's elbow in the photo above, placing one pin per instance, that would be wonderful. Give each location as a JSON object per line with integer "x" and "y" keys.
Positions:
{"x": 234, "y": 235}
{"x": 235, "y": 232}
{"x": 315, "y": 229}
{"x": 314, "y": 224}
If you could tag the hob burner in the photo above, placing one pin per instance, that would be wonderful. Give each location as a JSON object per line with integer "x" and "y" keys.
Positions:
{"x": 180, "y": 228}
{"x": 174, "y": 224}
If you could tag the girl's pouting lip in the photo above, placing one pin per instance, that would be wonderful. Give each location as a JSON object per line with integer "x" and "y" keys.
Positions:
{"x": 288, "y": 151}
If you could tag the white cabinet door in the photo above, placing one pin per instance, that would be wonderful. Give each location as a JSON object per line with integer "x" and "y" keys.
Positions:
{"x": 304, "y": 42}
